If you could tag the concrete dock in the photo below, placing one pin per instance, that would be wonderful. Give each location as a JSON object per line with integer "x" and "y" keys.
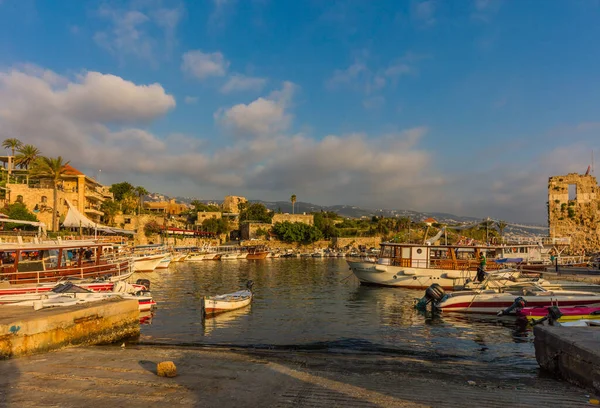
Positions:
{"x": 119, "y": 376}
{"x": 24, "y": 330}
{"x": 573, "y": 353}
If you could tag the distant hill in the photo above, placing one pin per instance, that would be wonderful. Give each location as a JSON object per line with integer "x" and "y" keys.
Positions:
{"x": 351, "y": 211}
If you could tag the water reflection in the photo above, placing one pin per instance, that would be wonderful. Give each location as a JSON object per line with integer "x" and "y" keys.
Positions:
{"x": 311, "y": 303}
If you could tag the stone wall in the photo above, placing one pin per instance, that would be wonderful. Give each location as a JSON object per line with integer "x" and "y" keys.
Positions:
{"x": 248, "y": 229}
{"x": 205, "y": 215}
{"x": 276, "y": 244}
{"x": 303, "y": 218}
{"x": 355, "y": 242}
{"x": 230, "y": 204}
{"x": 577, "y": 218}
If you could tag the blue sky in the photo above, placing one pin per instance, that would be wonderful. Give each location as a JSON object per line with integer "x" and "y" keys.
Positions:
{"x": 464, "y": 107}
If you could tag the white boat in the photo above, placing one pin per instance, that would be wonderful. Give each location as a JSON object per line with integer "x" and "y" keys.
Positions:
{"x": 242, "y": 255}
{"x": 165, "y": 262}
{"x": 507, "y": 302}
{"x": 146, "y": 263}
{"x": 212, "y": 305}
{"x": 418, "y": 266}
{"x": 67, "y": 294}
{"x": 228, "y": 256}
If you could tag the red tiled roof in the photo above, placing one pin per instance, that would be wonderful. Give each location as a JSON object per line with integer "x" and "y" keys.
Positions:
{"x": 72, "y": 171}
{"x": 430, "y": 220}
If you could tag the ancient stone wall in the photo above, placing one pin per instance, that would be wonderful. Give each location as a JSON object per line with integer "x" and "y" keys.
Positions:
{"x": 303, "y": 218}
{"x": 355, "y": 242}
{"x": 230, "y": 204}
{"x": 248, "y": 229}
{"x": 578, "y": 217}
{"x": 205, "y": 215}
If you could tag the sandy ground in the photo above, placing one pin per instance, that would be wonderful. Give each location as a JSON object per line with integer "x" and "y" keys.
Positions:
{"x": 115, "y": 376}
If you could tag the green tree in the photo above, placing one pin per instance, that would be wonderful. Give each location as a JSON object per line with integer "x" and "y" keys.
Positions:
{"x": 152, "y": 228}
{"x": 216, "y": 225}
{"x": 18, "y": 211}
{"x": 262, "y": 233}
{"x": 324, "y": 222}
{"x": 12, "y": 144}
{"x": 200, "y": 206}
{"x": 27, "y": 155}
{"x": 297, "y": 232}
{"x": 120, "y": 190}
{"x": 293, "y": 200}
{"x": 53, "y": 169}
{"x": 501, "y": 225}
{"x": 256, "y": 212}
{"x": 141, "y": 192}
{"x": 110, "y": 208}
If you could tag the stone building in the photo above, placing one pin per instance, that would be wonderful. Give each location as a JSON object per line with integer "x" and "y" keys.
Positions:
{"x": 248, "y": 229}
{"x": 231, "y": 204}
{"x": 166, "y": 207}
{"x": 574, "y": 210}
{"x": 83, "y": 192}
{"x": 303, "y": 218}
{"x": 206, "y": 215}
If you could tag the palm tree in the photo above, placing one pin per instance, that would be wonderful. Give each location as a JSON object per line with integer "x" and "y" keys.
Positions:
{"x": 50, "y": 168}
{"x": 501, "y": 227}
{"x": 141, "y": 192}
{"x": 27, "y": 155}
{"x": 293, "y": 200}
{"x": 12, "y": 144}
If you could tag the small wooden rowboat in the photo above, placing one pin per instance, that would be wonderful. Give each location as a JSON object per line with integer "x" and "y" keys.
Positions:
{"x": 212, "y": 305}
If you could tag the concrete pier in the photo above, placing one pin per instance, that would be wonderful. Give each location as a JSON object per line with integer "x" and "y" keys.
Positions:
{"x": 26, "y": 331}
{"x": 117, "y": 376}
{"x": 573, "y": 353}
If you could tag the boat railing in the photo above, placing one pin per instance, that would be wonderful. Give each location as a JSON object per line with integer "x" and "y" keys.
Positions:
{"x": 69, "y": 269}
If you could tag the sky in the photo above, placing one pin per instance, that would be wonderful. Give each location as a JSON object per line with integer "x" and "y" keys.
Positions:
{"x": 464, "y": 107}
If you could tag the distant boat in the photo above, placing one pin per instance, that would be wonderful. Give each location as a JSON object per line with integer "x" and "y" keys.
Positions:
{"x": 257, "y": 252}
{"x": 212, "y": 305}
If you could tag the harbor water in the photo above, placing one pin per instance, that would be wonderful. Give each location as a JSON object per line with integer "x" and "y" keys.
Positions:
{"x": 317, "y": 304}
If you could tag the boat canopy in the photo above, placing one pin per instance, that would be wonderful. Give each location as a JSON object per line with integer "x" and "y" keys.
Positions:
{"x": 75, "y": 219}
{"x": 41, "y": 226}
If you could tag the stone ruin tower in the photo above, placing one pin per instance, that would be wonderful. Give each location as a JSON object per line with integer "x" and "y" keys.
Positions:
{"x": 574, "y": 210}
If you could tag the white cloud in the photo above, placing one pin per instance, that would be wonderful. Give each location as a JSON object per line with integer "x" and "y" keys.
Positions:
{"x": 221, "y": 11}
{"x": 130, "y": 30}
{"x": 262, "y": 117}
{"x": 349, "y": 75}
{"x": 423, "y": 12}
{"x": 239, "y": 83}
{"x": 190, "y": 99}
{"x": 203, "y": 65}
{"x": 374, "y": 102}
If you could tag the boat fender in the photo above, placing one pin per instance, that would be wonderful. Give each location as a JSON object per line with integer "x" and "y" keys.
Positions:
{"x": 517, "y": 305}
{"x": 409, "y": 272}
{"x": 381, "y": 268}
{"x": 145, "y": 282}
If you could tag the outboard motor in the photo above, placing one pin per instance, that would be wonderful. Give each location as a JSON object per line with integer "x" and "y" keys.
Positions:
{"x": 433, "y": 294}
{"x": 553, "y": 315}
{"x": 481, "y": 275}
{"x": 518, "y": 304}
{"x": 145, "y": 282}
{"x": 249, "y": 285}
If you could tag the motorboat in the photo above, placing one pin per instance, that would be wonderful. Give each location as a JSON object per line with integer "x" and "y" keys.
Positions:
{"x": 68, "y": 294}
{"x": 212, "y": 305}
{"x": 504, "y": 301}
{"x": 146, "y": 258}
{"x": 567, "y": 313}
{"x": 257, "y": 252}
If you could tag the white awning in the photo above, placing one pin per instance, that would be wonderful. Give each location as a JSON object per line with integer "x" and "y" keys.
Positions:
{"x": 75, "y": 219}
{"x": 41, "y": 226}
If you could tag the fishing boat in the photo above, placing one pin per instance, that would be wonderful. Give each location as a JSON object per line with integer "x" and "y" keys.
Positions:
{"x": 567, "y": 313}
{"x": 212, "y": 305}
{"x": 165, "y": 262}
{"x": 257, "y": 252}
{"x": 146, "y": 258}
{"x": 28, "y": 266}
{"x": 418, "y": 266}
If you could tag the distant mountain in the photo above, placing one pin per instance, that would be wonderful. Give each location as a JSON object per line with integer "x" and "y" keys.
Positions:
{"x": 351, "y": 211}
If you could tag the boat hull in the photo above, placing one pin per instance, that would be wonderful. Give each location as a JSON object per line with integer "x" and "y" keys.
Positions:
{"x": 493, "y": 303}
{"x": 258, "y": 255}
{"x": 370, "y": 273}
{"x": 220, "y": 304}
{"x": 147, "y": 263}
{"x": 568, "y": 313}
{"x": 164, "y": 263}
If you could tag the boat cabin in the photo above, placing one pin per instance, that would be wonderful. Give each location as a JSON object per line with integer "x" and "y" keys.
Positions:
{"x": 455, "y": 257}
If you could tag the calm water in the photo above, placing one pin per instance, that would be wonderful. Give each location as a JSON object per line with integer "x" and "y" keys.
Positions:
{"x": 318, "y": 304}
